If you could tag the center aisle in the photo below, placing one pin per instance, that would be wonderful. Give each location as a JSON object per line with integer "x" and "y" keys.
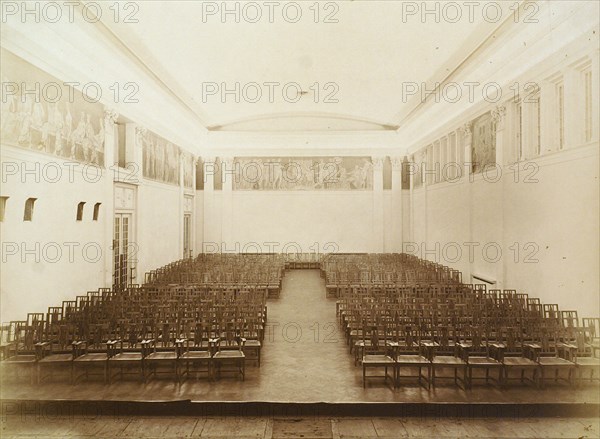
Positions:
{"x": 305, "y": 356}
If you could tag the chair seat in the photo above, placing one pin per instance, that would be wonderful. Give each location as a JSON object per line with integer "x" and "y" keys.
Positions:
{"x": 20, "y": 359}
{"x": 229, "y": 354}
{"x": 374, "y": 359}
{"x": 162, "y": 356}
{"x": 449, "y": 360}
{"x": 127, "y": 356}
{"x": 96, "y": 356}
{"x": 555, "y": 361}
{"x": 252, "y": 344}
{"x": 588, "y": 362}
{"x": 195, "y": 355}
{"x": 412, "y": 359}
{"x": 57, "y": 358}
{"x": 483, "y": 361}
{"x": 519, "y": 361}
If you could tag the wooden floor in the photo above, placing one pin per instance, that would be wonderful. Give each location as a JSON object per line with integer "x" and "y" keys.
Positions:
{"x": 305, "y": 359}
{"x": 267, "y": 428}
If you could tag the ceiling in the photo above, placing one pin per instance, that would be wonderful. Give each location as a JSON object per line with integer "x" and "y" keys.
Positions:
{"x": 362, "y": 61}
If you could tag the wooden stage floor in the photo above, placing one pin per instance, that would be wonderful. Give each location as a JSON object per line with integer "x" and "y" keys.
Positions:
{"x": 304, "y": 360}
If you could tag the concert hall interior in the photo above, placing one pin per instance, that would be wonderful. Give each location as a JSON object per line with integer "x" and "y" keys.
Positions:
{"x": 329, "y": 219}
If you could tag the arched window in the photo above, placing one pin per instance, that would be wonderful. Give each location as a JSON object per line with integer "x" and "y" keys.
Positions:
{"x": 28, "y": 215}
{"x": 80, "y": 210}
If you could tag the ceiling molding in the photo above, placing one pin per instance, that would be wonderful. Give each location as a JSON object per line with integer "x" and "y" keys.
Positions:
{"x": 362, "y": 124}
{"x": 480, "y": 42}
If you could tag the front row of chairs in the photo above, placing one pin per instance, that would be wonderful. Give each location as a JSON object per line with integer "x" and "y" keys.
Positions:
{"x": 114, "y": 359}
{"x": 533, "y": 362}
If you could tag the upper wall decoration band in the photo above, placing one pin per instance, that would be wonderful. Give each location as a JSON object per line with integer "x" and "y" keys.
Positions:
{"x": 303, "y": 173}
{"x": 161, "y": 158}
{"x": 44, "y": 114}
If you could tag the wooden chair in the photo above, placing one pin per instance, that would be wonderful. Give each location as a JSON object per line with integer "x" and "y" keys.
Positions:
{"x": 57, "y": 353}
{"x": 252, "y": 346}
{"x": 85, "y": 359}
{"x": 583, "y": 358}
{"x": 229, "y": 352}
{"x": 513, "y": 355}
{"x": 476, "y": 353}
{"x": 196, "y": 351}
{"x": 156, "y": 359}
{"x": 546, "y": 354}
{"x": 20, "y": 352}
{"x": 7, "y": 332}
{"x": 443, "y": 354}
{"x": 410, "y": 355}
{"x": 375, "y": 354}
{"x": 591, "y": 327}
{"x": 127, "y": 359}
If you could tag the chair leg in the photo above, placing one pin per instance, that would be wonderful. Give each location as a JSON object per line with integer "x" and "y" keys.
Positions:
{"x": 364, "y": 375}
{"x": 429, "y": 377}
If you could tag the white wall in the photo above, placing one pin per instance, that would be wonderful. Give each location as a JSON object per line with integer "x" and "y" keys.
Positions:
{"x": 34, "y": 275}
{"x": 309, "y": 219}
{"x": 547, "y": 231}
{"x": 157, "y": 221}
{"x": 560, "y": 215}
{"x": 51, "y": 272}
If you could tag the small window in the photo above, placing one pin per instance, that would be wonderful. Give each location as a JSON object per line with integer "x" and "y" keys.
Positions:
{"x": 80, "y": 210}
{"x": 2, "y": 207}
{"x": 28, "y": 215}
{"x": 96, "y": 211}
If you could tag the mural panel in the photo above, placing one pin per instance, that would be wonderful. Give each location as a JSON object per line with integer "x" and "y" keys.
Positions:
{"x": 161, "y": 158}
{"x": 44, "y": 114}
{"x": 188, "y": 169}
{"x": 483, "y": 148}
{"x": 303, "y": 173}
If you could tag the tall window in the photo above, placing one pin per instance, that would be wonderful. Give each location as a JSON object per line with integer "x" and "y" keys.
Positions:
{"x": 587, "y": 80}
{"x": 452, "y": 157}
{"x": 519, "y": 130}
{"x": 187, "y": 235}
{"x": 536, "y": 124}
{"x": 121, "y": 155}
{"x": 560, "y": 98}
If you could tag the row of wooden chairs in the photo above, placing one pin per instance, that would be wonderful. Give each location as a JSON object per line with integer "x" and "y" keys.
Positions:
{"x": 385, "y": 270}
{"x": 407, "y": 347}
{"x": 148, "y": 357}
{"x": 256, "y": 271}
{"x": 183, "y": 322}
{"x": 433, "y": 322}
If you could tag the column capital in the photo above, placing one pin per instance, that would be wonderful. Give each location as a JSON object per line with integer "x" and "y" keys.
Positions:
{"x": 397, "y": 163}
{"x": 377, "y": 162}
{"x": 467, "y": 128}
{"x": 140, "y": 132}
{"x": 110, "y": 116}
{"x": 227, "y": 161}
{"x": 498, "y": 115}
